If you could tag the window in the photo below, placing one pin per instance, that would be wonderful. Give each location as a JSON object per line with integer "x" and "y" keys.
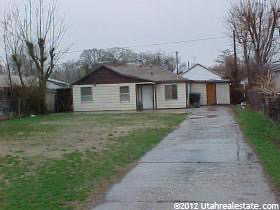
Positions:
{"x": 171, "y": 92}
{"x": 86, "y": 94}
{"x": 124, "y": 94}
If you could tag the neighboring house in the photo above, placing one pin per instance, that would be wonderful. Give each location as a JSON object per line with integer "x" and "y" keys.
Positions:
{"x": 211, "y": 86}
{"x": 277, "y": 79}
{"x": 4, "y": 94}
{"x": 129, "y": 87}
{"x": 276, "y": 75}
{"x": 52, "y": 85}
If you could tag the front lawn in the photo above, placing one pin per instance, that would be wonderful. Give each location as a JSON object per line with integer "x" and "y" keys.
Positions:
{"x": 264, "y": 135}
{"x": 62, "y": 161}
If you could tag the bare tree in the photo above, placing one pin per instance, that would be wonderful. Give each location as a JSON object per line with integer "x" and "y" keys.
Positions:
{"x": 13, "y": 47}
{"x": 266, "y": 84}
{"x": 7, "y": 63}
{"x": 2, "y": 68}
{"x": 255, "y": 24}
{"x": 89, "y": 58}
{"x": 69, "y": 71}
{"x": 41, "y": 31}
{"x": 167, "y": 62}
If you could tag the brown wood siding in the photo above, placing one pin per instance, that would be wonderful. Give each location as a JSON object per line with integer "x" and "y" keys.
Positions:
{"x": 106, "y": 76}
{"x": 4, "y": 99}
{"x": 211, "y": 94}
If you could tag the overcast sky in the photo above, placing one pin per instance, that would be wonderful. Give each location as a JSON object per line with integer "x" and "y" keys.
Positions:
{"x": 130, "y": 23}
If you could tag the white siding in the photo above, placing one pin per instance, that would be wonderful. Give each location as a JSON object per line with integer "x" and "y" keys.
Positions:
{"x": 162, "y": 103}
{"x": 223, "y": 93}
{"x": 106, "y": 97}
{"x": 200, "y": 88}
{"x": 50, "y": 101}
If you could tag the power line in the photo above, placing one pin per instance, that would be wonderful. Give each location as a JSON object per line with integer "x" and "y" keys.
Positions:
{"x": 162, "y": 43}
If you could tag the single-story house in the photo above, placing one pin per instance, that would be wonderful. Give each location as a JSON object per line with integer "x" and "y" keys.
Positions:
{"x": 212, "y": 88}
{"x": 129, "y": 87}
{"x": 276, "y": 77}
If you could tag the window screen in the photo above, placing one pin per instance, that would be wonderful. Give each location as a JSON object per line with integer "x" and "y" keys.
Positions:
{"x": 86, "y": 94}
{"x": 171, "y": 92}
{"x": 124, "y": 94}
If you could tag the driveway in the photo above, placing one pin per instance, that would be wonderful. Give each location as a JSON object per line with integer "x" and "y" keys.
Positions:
{"x": 205, "y": 160}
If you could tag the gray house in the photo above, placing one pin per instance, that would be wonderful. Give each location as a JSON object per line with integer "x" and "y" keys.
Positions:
{"x": 5, "y": 98}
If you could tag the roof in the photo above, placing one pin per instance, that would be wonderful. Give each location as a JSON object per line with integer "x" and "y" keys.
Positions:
{"x": 275, "y": 67}
{"x": 57, "y": 84}
{"x": 199, "y": 73}
{"x": 151, "y": 73}
{"x": 54, "y": 84}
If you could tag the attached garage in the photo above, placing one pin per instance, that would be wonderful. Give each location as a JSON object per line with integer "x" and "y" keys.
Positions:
{"x": 212, "y": 88}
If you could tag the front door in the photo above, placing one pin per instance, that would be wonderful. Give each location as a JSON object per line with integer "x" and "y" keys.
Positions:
{"x": 147, "y": 97}
{"x": 211, "y": 94}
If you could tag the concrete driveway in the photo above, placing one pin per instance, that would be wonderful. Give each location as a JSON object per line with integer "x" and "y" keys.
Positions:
{"x": 205, "y": 160}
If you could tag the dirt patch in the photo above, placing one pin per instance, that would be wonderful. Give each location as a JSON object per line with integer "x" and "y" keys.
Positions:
{"x": 83, "y": 132}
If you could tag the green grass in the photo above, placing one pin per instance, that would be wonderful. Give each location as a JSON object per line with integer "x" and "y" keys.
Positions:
{"x": 58, "y": 183}
{"x": 265, "y": 136}
{"x": 31, "y": 126}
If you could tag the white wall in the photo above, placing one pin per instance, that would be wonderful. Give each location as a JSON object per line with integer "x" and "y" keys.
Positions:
{"x": 162, "y": 103}
{"x": 106, "y": 97}
{"x": 200, "y": 88}
{"x": 50, "y": 101}
{"x": 223, "y": 93}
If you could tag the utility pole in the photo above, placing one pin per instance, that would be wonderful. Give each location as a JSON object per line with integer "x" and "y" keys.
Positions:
{"x": 235, "y": 73}
{"x": 177, "y": 62}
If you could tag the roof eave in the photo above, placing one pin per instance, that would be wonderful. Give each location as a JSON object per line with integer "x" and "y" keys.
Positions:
{"x": 209, "y": 81}
{"x": 112, "y": 69}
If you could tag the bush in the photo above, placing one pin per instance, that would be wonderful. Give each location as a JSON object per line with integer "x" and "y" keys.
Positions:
{"x": 25, "y": 100}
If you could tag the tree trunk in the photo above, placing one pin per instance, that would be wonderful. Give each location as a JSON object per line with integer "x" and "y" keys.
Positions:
{"x": 42, "y": 97}
{"x": 247, "y": 62}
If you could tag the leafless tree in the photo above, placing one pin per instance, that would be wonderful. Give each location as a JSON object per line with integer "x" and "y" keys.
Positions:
{"x": 89, "y": 58}
{"x": 40, "y": 31}
{"x": 2, "y": 68}
{"x": 266, "y": 84}
{"x": 167, "y": 62}
{"x": 255, "y": 24}
{"x": 13, "y": 47}
{"x": 69, "y": 71}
